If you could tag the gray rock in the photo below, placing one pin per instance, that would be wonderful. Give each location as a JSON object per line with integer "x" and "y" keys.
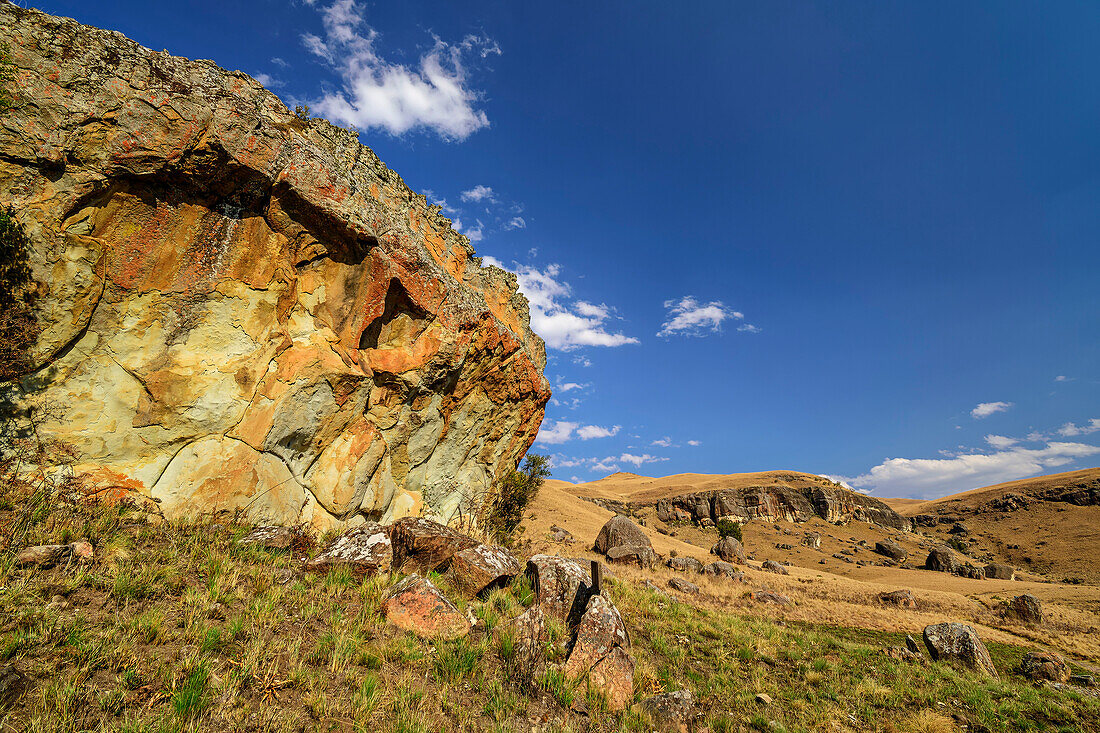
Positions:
{"x": 670, "y": 711}
{"x": 1045, "y": 666}
{"x": 685, "y": 564}
{"x": 619, "y": 531}
{"x": 1000, "y": 571}
{"x": 270, "y": 538}
{"x": 954, "y": 641}
{"x": 639, "y": 555}
{"x": 942, "y": 559}
{"x": 365, "y": 549}
{"x": 730, "y": 550}
{"x": 561, "y": 586}
{"x": 683, "y": 586}
{"x": 721, "y": 568}
{"x": 1026, "y": 608}
{"x": 772, "y": 566}
{"x": 903, "y": 598}
{"x": 891, "y": 549}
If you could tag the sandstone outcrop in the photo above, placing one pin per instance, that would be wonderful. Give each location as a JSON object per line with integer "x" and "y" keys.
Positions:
{"x": 247, "y": 310}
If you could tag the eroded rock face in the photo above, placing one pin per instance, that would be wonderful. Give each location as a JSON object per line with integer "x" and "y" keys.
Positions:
{"x": 246, "y": 310}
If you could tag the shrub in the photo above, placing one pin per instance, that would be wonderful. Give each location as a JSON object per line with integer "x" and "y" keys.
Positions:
{"x": 729, "y": 528}
{"x": 516, "y": 493}
{"x": 18, "y": 325}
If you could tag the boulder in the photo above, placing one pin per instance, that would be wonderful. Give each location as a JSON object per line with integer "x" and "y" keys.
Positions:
{"x": 562, "y": 586}
{"x": 683, "y": 586}
{"x": 767, "y": 596}
{"x": 902, "y": 598}
{"x": 772, "y": 566}
{"x": 600, "y": 631}
{"x": 619, "y": 531}
{"x": 479, "y": 569}
{"x": 903, "y": 654}
{"x": 942, "y": 559}
{"x": 924, "y": 520}
{"x": 812, "y": 540}
{"x": 286, "y": 328}
{"x": 1026, "y": 608}
{"x": 45, "y": 556}
{"x": 912, "y": 645}
{"x": 891, "y": 549}
{"x": 730, "y": 550}
{"x": 685, "y": 564}
{"x": 969, "y": 570}
{"x": 421, "y": 545}
{"x": 959, "y": 528}
{"x": 953, "y": 641}
{"x": 674, "y": 712}
{"x": 365, "y": 549}
{"x": 723, "y": 569}
{"x": 270, "y": 538}
{"x": 614, "y": 677}
{"x": 668, "y": 512}
{"x": 1045, "y": 666}
{"x": 416, "y": 605}
{"x": 641, "y": 556}
{"x": 1000, "y": 571}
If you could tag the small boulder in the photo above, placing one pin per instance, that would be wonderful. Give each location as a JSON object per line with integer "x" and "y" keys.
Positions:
{"x": 721, "y": 568}
{"x": 942, "y": 559}
{"x": 772, "y": 566}
{"x": 891, "y": 549}
{"x": 812, "y": 540}
{"x": 639, "y": 555}
{"x": 421, "y": 545}
{"x": 619, "y": 531}
{"x": 600, "y": 631}
{"x": 730, "y": 550}
{"x": 974, "y": 572}
{"x": 1026, "y": 608}
{"x": 561, "y": 586}
{"x": 683, "y": 586}
{"x": 614, "y": 677}
{"x": 1000, "y": 571}
{"x": 670, "y": 711}
{"x": 903, "y": 654}
{"x": 479, "y": 569}
{"x": 767, "y": 596}
{"x": 959, "y": 528}
{"x": 902, "y": 598}
{"x": 270, "y": 538}
{"x": 365, "y": 549}
{"x": 924, "y": 520}
{"x": 959, "y": 642}
{"x": 45, "y": 556}
{"x": 416, "y": 605}
{"x": 912, "y": 645}
{"x": 1045, "y": 666}
{"x": 685, "y": 564}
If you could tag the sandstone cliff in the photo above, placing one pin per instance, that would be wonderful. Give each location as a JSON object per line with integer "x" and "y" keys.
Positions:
{"x": 247, "y": 310}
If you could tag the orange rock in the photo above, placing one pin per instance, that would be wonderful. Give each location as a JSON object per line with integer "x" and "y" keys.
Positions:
{"x": 416, "y": 605}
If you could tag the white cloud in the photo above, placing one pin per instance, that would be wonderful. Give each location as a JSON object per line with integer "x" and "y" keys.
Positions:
{"x": 637, "y": 461}
{"x": 280, "y": 62}
{"x": 562, "y": 325}
{"x": 985, "y": 409}
{"x": 694, "y": 443}
{"x": 930, "y": 478}
{"x": 474, "y": 234}
{"x": 665, "y": 442}
{"x": 570, "y": 386}
{"x": 516, "y": 222}
{"x": 748, "y": 328}
{"x": 1070, "y": 430}
{"x": 1061, "y": 378}
{"x": 588, "y": 432}
{"x": 1000, "y": 442}
{"x": 553, "y": 433}
{"x": 477, "y": 194}
{"x": 433, "y": 95}
{"x": 267, "y": 80}
{"x": 689, "y": 317}
{"x": 607, "y": 465}
{"x": 583, "y": 361}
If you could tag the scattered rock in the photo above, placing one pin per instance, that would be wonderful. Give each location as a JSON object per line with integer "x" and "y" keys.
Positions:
{"x": 683, "y": 586}
{"x": 891, "y": 549}
{"x": 614, "y": 676}
{"x": 903, "y": 598}
{"x": 767, "y": 596}
{"x": 559, "y": 536}
{"x": 763, "y": 698}
{"x": 650, "y": 585}
{"x": 1000, "y": 571}
{"x": 1045, "y": 666}
{"x": 783, "y": 546}
{"x": 416, "y": 605}
{"x": 912, "y": 645}
{"x": 619, "y": 531}
{"x": 685, "y": 564}
{"x": 1026, "y": 608}
{"x": 845, "y": 558}
{"x": 46, "y": 556}
{"x": 640, "y": 555}
{"x": 81, "y": 550}
{"x": 959, "y": 528}
{"x": 561, "y": 586}
{"x": 903, "y": 654}
{"x": 479, "y": 569}
{"x": 772, "y": 566}
{"x": 924, "y": 520}
{"x": 270, "y": 538}
{"x": 721, "y": 568}
{"x": 671, "y": 711}
{"x": 973, "y": 572}
{"x": 365, "y": 549}
{"x": 421, "y": 545}
{"x": 812, "y": 540}
{"x": 600, "y": 631}
{"x": 730, "y": 550}
{"x": 942, "y": 559}
{"x": 13, "y": 685}
{"x": 1082, "y": 680}
{"x": 959, "y": 642}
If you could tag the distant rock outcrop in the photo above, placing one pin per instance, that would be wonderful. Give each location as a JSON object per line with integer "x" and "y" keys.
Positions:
{"x": 243, "y": 309}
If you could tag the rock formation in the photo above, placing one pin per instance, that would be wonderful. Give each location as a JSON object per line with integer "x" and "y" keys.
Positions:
{"x": 247, "y": 310}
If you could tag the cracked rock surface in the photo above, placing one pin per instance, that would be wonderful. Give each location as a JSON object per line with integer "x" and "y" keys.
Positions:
{"x": 247, "y": 310}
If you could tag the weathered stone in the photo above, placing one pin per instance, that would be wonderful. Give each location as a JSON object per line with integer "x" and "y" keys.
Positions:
{"x": 285, "y": 327}
{"x": 903, "y": 654}
{"x": 767, "y": 596}
{"x": 1045, "y": 666}
{"x": 958, "y": 528}
{"x": 639, "y": 555}
{"x": 723, "y": 569}
{"x": 599, "y": 632}
{"x": 812, "y": 540}
{"x": 46, "y": 556}
{"x": 924, "y": 520}
{"x": 416, "y": 605}
{"x": 685, "y": 564}
{"x": 365, "y": 549}
{"x": 670, "y": 711}
{"x": 969, "y": 570}
{"x": 903, "y": 598}
{"x": 953, "y": 641}
{"x": 891, "y": 549}
{"x": 730, "y": 550}
{"x": 476, "y": 570}
{"x": 421, "y": 545}
{"x": 614, "y": 677}
{"x": 1000, "y": 571}
{"x": 619, "y": 531}
{"x": 683, "y": 586}
{"x": 271, "y": 538}
{"x": 912, "y": 645}
{"x": 562, "y": 586}
{"x": 942, "y": 559}
{"x": 772, "y": 566}
{"x": 1026, "y": 608}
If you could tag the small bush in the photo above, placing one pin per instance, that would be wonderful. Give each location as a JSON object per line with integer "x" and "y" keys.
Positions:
{"x": 729, "y": 528}
{"x": 516, "y": 493}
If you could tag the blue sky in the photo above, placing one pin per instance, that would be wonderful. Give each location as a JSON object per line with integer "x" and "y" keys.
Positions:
{"x": 856, "y": 239}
